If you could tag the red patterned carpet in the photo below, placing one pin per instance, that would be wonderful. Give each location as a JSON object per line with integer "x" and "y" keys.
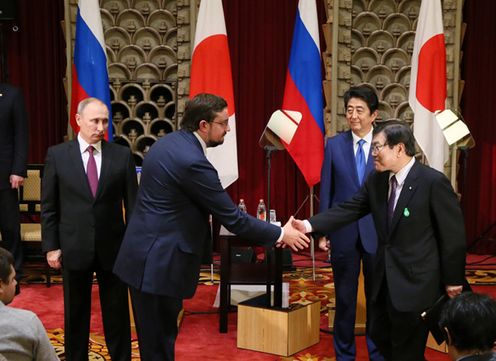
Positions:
{"x": 199, "y": 337}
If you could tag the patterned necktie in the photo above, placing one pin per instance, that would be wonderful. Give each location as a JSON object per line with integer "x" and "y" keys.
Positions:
{"x": 360, "y": 161}
{"x": 91, "y": 171}
{"x": 392, "y": 197}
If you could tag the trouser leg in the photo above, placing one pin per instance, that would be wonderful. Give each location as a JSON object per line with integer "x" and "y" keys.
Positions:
{"x": 10, "y": 221}
{"x": 156, "y": 323}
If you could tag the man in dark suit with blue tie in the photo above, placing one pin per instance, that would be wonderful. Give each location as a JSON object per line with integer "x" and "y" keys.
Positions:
{"x": 421, "y": 240}
{"x": 86, "y": 187}
{"x": 161, "y": 253}
{"x": 347, "y": 162}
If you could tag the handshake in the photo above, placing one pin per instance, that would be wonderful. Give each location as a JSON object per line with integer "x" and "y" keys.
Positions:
{"x": 294, "y": 235}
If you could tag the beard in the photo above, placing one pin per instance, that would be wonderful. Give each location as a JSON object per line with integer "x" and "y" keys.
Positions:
{"x": 213, "y": 143}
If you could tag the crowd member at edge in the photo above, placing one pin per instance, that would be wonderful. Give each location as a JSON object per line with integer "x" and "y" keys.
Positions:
{"x": 13, "y": 169}
{"x": 469, "y": 322}
{"x": 22, "y": 335}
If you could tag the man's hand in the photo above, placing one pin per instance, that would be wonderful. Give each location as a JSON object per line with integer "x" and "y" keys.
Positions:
{"x": 323, "y": 243}
{"x": 54, "y": 258}
{"x": 453, "y": 291}
{"x": 16, "y": 181}
{"x": 294, "y": 238}
{"x": 298, "y": 224}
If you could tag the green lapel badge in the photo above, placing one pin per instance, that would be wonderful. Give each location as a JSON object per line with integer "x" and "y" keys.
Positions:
{"x": 406, "y": 212}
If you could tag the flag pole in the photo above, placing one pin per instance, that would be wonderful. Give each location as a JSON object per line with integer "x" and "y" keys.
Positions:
{"x": 68, "y": 68}
{"x": 312, "y": 243}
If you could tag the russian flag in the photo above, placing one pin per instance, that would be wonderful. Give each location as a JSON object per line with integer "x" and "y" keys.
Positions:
{"x": 89, "y": 71}
{"x": 211, "y": 73}
{"x": 303, "y": 93}
{"x": 428, "y": 83}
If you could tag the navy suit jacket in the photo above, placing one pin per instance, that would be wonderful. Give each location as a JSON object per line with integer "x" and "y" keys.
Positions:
{"x": 86, "y": 228}
{"x": 424, "y": 249}
{"x": 179, "y": 188}
{"x": 339, "y": 182}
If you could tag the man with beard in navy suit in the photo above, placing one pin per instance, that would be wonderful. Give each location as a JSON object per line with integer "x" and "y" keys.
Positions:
{"x": 161, "y": 253}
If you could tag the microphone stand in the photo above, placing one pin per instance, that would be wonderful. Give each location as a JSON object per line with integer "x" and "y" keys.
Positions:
{"x": 269, "y": 149}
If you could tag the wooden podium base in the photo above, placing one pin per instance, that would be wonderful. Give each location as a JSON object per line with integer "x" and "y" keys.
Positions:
{"x": 277, "y": 331}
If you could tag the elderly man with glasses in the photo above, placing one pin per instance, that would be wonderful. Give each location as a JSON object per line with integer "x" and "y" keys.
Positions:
{"x": 421, "y": 240}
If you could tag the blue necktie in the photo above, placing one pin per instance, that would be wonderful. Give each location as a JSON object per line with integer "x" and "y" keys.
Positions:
{"x": 360, "y": 161}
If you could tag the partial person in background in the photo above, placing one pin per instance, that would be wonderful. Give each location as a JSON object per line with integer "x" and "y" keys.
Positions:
{"x": 161, "y": 253}
{"x": 421, "y": 240}
{"x": 86, "y": 187}
{"x": 469, "y": 322}
{"x": 347, "y": 163}
{"x": 13, "y": 169}
{"x": 22, "y": 335}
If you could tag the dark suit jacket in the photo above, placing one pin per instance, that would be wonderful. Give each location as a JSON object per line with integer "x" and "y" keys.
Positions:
{"x": 338, "y": 183}
{"x": 179, "y": 188}
{"x": 87, "y": 229}
{"x": 13, "y": 134}
{"x": 425, "y": 248}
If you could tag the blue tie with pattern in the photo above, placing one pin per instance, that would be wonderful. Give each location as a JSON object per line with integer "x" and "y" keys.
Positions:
{"x": 360, "y": 161}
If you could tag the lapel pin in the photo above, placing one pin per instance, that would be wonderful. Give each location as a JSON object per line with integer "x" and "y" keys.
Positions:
{"x": 1, "y": 95}
{"x": 410, "y": 188}
{"x": 406, "y": 212}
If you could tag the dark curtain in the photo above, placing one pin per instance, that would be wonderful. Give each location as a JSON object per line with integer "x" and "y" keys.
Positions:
{"x": 260, "y": 34}
{"x": 478, "y": 176}
{"x": 34, "y": 48}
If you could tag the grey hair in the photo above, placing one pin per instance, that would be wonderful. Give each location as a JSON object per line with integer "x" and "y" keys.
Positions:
{"x": 83, "y": 103}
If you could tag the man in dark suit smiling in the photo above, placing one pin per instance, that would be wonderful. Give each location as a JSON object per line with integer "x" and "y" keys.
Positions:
{"x": 86, "y": 185}
{"x": 347, "y": 163}
{"x": 421, "y": 240}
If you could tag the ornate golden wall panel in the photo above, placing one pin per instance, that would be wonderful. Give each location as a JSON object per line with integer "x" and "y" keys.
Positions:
{"x": 149, "y": 44}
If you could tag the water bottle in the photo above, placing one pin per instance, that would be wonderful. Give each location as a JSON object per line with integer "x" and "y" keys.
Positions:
{"x": 272, "y": 216}
{"x": 242, "y": 205}
{"x": 261, "y": 210}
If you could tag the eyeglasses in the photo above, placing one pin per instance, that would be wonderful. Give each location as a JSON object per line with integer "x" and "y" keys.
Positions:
{"x": 376, "y": 148}
{"x": 224, "y": 123}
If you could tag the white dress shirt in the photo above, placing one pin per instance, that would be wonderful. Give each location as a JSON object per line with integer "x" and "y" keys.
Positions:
{"x": 365, "y": 146}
